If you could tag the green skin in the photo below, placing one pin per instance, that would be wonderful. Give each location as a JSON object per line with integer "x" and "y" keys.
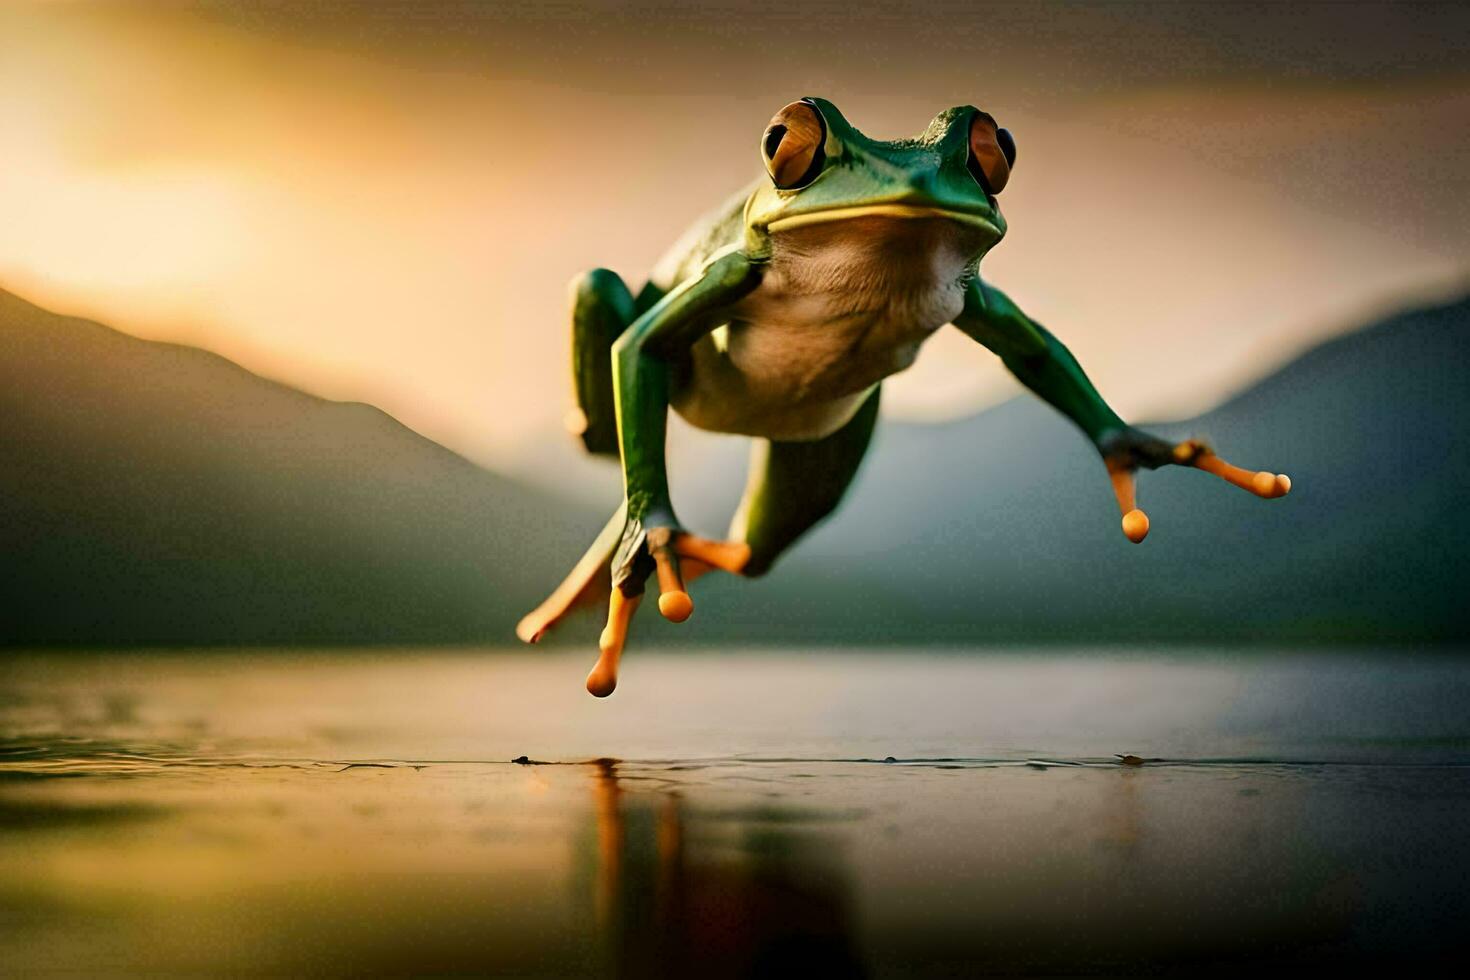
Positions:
{"x": 690, "y": 324}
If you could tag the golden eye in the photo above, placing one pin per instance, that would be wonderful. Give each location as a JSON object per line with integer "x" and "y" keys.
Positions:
{"x": 992, "y": 152}
{"x": 792, "y": 145}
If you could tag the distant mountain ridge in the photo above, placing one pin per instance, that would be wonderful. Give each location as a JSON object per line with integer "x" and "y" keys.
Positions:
{"x": 153, "y": 494}
{"x": 159, "y": 495}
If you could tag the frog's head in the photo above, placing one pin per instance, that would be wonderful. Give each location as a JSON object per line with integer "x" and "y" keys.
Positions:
{"x": 822, "y": 169}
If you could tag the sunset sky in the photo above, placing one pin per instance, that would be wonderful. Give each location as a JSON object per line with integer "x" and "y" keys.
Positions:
{"x": 386, "y": 203}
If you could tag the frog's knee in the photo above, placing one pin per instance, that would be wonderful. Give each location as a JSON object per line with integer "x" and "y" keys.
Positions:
{"x": 602, "y": 289}
{"x": 602, "y": 308}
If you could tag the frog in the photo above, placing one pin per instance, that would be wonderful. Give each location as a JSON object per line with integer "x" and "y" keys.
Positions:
{"x": 778, "y": 316}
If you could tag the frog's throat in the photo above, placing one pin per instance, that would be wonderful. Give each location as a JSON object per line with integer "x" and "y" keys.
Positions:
{"x": 881, "y": 211}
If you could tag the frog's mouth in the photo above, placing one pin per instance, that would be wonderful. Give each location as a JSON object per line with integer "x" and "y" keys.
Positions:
{"x": 883, "y": 211}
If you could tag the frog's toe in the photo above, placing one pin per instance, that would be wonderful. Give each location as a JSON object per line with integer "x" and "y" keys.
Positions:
{"x": 727, "y": 556}
{"x": 1135, "y": 521}
{"x": 678, "y": 559}
{"x": 673, "y": 602}
{"x": 684, "y": 558}
{"x": 1135, "y": 525}
{"x": 604, "y": 676}
{"x": 1262, "y": 483}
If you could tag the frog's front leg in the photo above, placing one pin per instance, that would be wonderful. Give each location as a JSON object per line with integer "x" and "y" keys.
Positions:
{"x": 652, "y": 539}
{"x": 1043, "y": 364}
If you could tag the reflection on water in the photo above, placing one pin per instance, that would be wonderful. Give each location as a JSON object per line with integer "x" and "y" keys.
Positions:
{"x": 340, "y": 814}
{"x": 777, "y": 902}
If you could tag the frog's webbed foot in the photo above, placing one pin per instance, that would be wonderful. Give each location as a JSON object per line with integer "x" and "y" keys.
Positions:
{"x": 1125, "y": 452}
{"x": 676, "y": 558}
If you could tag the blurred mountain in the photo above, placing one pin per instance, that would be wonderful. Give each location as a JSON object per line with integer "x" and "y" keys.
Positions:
{"x": 1002, "y": 527}
{"x": 157, "y": 494}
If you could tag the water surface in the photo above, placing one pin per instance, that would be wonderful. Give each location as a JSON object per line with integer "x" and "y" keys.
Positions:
{"x": 890, "y": 813}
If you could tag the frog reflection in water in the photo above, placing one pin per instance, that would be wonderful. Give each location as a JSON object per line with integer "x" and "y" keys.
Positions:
{"x": 778, "y": 318}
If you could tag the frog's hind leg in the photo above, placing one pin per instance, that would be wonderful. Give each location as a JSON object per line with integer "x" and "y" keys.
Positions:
{"x": 794, "y": 485}
{"x": 602, "y": 308}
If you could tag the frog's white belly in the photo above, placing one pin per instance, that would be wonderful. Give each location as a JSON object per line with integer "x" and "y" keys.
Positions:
{"x": 840, "y": 307}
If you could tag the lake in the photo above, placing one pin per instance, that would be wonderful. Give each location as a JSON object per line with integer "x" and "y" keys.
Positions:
{"x": 884, "y": 813}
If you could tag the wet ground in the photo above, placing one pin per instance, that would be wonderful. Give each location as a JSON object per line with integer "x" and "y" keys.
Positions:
{"x": 886, "y": 814}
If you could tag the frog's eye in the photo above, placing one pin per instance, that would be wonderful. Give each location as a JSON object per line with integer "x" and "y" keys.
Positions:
{"x": 792, "y": 145}
{"x": 992, "y": 153}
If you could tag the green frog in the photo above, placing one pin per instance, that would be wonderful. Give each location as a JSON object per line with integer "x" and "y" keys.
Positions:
{"x": 777, "y": 317}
